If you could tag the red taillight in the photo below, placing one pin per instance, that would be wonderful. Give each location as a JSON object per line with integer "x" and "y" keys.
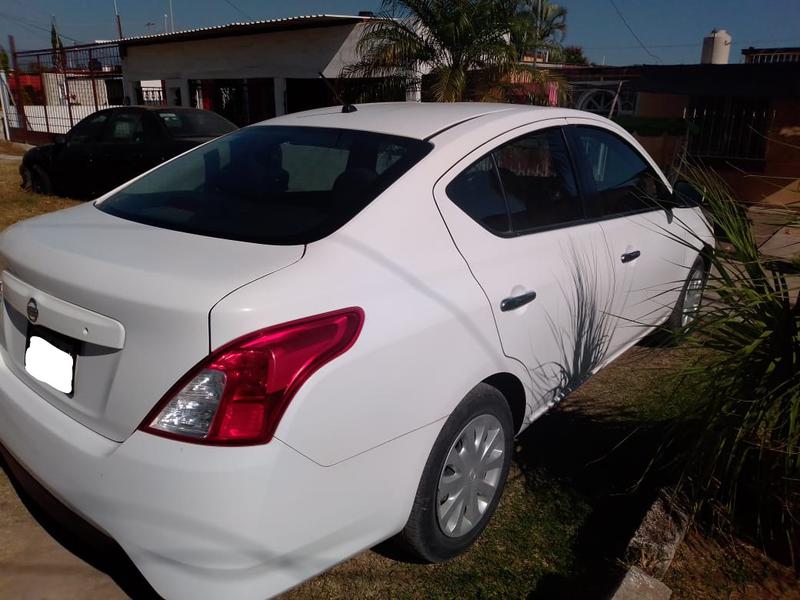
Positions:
{"x": 238, "y": 394}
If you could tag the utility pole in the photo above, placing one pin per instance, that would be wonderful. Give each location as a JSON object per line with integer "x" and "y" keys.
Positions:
{"x": 22, "y": 120}
{"x": 538, "y": 19}
{"x": 4, "y": 104}
{"x": 119, "y": 21}
{"x": 171, "y": 17}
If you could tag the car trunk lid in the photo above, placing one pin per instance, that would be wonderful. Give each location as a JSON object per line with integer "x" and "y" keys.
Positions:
{"x": 134, "y": 299}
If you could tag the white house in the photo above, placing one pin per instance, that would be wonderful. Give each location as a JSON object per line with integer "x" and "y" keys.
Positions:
{"x": 244, "y": 71}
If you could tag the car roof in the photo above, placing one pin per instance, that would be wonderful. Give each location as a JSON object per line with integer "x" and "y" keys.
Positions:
{"x": 421, "y": 120}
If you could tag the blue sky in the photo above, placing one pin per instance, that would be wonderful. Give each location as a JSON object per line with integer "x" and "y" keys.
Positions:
{"x": 672, "y": 30}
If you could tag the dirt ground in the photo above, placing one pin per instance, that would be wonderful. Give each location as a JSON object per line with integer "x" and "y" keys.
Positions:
{"x": 706, "y": 569}
{"x": 12, "y": 149}
{"x": 33, "y": 566}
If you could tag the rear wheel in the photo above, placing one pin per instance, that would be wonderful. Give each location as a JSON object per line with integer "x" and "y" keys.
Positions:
{"x": 26, "y": 180}
{"x": 464, "y": 477}
{"x": 689, "y": 301}
{"x": 36, "y": 180}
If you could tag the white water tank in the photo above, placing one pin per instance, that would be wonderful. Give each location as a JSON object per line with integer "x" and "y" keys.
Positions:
{"x": 716, "y": 48}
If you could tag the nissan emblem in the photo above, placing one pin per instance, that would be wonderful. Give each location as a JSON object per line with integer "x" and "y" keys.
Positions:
{"x": 33, "y": 311}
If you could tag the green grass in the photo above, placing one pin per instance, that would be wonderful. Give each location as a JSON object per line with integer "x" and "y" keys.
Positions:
{"x": 17, "y": 204}
{"x": 567, "y": 465}
{"x": 530, "y": 537}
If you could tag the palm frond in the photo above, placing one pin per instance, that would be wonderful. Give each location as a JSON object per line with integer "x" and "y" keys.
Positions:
{"x": 464, "y": 48}
{"x": 744, "y": 460}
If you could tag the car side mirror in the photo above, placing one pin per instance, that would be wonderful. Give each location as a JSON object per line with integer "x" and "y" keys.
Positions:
{"x": 60, "y": 139}
{"x": 685, "y": 194}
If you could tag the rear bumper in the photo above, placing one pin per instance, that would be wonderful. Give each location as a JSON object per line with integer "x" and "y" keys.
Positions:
{"x": 204, "y": 522}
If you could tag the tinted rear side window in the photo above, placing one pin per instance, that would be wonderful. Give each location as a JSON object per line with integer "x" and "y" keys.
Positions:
{"x": 478, "y": 193}
{"x": 538, "y": 181}
{"x": 624, "y": 181}
{"x": 194, "y": 123}
{"x": 131, "y": 127}
{"x": 271, "y": 185}
{"x": 524, "y": 185}
{"x": 89, "y": 129}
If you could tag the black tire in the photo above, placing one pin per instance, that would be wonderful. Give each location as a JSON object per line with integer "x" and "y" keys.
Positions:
{"x": 35, "y": 179}
{"x": 423, "y": 535}
{"x": 26, "y": 179}
{"x": 674, "y": 324}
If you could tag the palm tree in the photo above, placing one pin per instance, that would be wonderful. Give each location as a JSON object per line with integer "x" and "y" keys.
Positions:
{"x": 539, "y": 25}
{"x": 462, "y": 47}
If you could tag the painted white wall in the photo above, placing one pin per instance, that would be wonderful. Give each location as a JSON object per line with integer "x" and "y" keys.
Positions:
{"x": 5, "y": 102}
{"x": 171, "y": 86}
{"x": 300, "y": 53}
{"x": 80, "y": 90}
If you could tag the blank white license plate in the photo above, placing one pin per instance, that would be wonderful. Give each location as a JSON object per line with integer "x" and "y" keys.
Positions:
{"x": 50, "y": 365}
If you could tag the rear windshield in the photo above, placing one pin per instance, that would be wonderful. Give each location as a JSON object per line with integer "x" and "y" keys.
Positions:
{"x": 194, "y": 123}
{"x": 269, "y": 184}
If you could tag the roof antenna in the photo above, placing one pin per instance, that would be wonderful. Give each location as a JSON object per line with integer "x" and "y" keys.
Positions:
{"x": 346, "y": 108}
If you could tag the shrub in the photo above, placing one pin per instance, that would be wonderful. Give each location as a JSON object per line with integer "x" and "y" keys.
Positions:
{"x": 742, "y": 461}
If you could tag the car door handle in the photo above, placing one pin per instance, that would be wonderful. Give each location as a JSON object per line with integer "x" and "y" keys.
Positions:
{"x": 515, "y": 302}
{"x": 629, "y": 256}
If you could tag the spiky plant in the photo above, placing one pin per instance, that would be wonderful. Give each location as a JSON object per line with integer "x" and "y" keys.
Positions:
{"x": 583, "y": 340}
{"x": 743, "y": 456}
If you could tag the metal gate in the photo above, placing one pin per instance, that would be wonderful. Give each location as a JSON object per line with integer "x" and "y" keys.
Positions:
{"x": 51, "y": 90}
{"x": 729, "y": 128}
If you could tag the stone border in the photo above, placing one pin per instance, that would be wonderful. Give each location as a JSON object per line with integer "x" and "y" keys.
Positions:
{"x": 651, "y": 550}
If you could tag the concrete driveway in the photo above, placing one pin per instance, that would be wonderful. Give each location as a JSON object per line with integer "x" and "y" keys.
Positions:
{"x": 34, "y": 566}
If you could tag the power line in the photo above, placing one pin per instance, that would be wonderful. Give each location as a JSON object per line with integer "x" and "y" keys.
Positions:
{"x": 633, "y": 33}
{"x": 33, "y": 25}
{"x": 244, "y": 14}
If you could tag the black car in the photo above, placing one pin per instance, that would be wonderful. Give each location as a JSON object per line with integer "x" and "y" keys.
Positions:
{"x": 112, "y": 146}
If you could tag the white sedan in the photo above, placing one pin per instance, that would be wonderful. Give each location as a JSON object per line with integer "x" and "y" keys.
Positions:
{"x": 325, "y": 330}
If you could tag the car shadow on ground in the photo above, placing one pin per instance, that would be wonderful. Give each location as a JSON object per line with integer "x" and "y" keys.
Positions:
{"x": 601, "y": 457}
{"x": 607, "y": 462}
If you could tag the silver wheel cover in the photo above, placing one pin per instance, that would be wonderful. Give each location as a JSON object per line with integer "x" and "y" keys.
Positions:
{"x": 471, "y": 475}
{"x": 692, "y": 297}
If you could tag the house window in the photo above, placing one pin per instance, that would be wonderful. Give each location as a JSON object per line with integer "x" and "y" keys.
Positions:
{"x": 613, "y": 101}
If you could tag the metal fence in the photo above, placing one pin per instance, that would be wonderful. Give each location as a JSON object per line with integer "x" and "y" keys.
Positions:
{"x": 729, "y": 128}
{"x": 152, "y": 95}
{"x": 51, "y": 90}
